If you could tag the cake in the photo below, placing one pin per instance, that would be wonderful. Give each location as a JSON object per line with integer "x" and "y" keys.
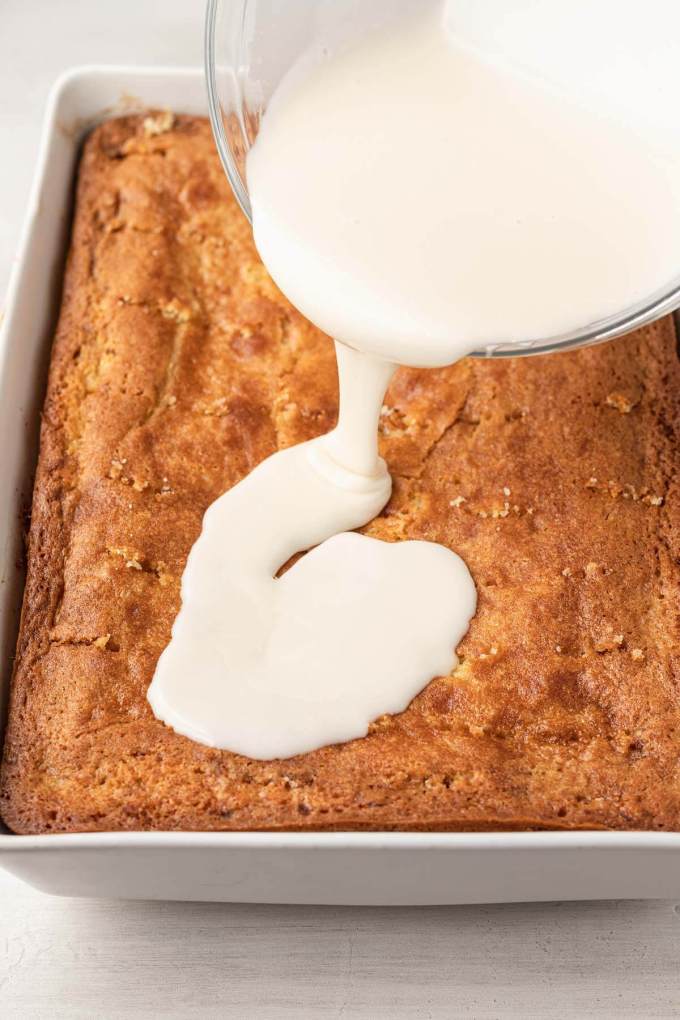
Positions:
{"x": 177, "y": 366}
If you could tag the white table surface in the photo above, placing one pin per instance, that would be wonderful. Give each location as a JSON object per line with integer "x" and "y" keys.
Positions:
{"x": 71, "y": 958}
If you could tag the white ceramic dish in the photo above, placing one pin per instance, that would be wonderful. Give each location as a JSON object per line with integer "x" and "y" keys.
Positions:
{"x": 339, "y": 868}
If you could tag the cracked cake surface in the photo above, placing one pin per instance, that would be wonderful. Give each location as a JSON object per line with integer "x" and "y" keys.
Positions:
{"x": 177, "y": 366}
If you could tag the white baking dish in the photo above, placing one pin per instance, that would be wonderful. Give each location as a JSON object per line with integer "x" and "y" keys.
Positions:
{"x": 371, "y": 868}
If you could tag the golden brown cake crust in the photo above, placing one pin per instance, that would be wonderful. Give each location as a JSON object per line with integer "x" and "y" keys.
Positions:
{"x": 177, "y": 366}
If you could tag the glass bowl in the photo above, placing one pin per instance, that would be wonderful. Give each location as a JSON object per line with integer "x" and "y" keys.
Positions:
{"x": 249, "y": 47}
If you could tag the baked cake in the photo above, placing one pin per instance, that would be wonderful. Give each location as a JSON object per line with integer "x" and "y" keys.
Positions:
{"x": 177, "y": 367}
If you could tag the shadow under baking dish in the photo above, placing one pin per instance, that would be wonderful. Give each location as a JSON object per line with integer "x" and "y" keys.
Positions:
{"x": 257, "y": 867}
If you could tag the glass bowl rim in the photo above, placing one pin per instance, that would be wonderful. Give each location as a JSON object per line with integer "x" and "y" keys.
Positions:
{"x": 630, "y": 319}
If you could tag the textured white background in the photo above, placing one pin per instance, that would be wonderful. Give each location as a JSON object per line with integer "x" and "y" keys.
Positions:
{"x": 69, "y": 958}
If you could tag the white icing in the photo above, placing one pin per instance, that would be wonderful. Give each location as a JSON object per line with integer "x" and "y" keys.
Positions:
{"x": 467, "y": 179}
{"x": 461, "y": 180}
{"x": 270, "y": 668}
